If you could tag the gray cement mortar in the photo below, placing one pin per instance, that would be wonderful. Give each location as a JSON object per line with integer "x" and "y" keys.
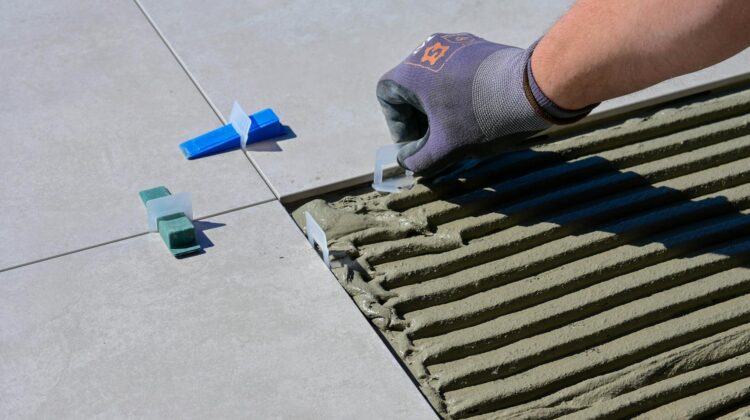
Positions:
{"x": 599, "y": 274}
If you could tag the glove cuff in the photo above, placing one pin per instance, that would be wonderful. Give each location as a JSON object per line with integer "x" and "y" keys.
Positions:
{"x": 500, "y": 105}
{"x": 543, "y": 105}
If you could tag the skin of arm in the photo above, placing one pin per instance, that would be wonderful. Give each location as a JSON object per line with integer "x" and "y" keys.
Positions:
{"x": 602, "y": 49}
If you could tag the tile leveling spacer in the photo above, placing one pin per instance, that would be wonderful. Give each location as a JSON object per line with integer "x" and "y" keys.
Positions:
{"x": 242, "y": 129}
{"x": 316, "y": 235}
{"x": 171, "y": 215}
{"x": 385, "y": 157}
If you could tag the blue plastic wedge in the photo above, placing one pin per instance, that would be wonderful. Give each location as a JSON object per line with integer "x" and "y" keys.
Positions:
{"x": 264, "y": 125}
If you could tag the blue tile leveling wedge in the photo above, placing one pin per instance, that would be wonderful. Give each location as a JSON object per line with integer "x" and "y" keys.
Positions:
{"x": 262, "y": 125}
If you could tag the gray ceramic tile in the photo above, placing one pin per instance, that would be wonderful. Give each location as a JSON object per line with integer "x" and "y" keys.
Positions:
{"x": 256, "y": 327}
{"x": 93, "y": 108}
{"x": 316, "y": 64}
{"x": 735, "y": 66}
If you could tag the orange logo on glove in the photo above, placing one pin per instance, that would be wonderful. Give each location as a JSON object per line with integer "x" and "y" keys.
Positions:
{"x": 434, "y": 53}
{"x": 437, "y": 50}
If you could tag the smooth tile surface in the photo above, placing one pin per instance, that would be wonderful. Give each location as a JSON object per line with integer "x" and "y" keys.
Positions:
{"x": 94, "y": 107}
{"x": 317, "y": 65}
{"x": 256, "y": 327}
{"x": 735, "y": 66}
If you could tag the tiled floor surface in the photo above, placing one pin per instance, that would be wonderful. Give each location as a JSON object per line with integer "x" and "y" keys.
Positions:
{"x": 317, "y": 64}
{"x": 96, "y": 316}
{"x": 254, "y": 328}
{"x": 96, "y": 122}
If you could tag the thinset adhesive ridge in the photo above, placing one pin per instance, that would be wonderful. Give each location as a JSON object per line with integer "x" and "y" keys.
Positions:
{"x": 603, "y": 274}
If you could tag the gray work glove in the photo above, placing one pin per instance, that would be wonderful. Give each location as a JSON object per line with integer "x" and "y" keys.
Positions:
{"x": 458, "y": 91}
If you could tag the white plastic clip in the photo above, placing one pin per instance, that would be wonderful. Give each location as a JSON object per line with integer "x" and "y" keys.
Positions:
{"x": 315, "y": 235}
{"x": 385, "y": 157}
{"x": 240, "y": 121}
{"x": 170, "y": 204}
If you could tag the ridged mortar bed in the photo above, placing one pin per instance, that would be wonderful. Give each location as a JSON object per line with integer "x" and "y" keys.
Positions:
{"x": 600, "y": 275}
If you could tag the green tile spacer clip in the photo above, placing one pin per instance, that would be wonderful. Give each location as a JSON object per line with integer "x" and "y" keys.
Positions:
{"x": 170, "y": 215}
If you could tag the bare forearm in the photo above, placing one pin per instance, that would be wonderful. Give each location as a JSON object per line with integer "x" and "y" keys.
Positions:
{"x": 602, "y": 49}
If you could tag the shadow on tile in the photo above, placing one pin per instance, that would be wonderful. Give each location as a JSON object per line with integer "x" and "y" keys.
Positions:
{"x": 200, "y": 227}
{"x": 272, "y": 145}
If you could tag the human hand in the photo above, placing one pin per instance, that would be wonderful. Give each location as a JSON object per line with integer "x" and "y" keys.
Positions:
{"x": 456, "y": 92}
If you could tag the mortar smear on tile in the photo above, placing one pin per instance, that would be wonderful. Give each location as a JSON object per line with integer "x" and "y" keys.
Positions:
{"x": 600, "y": 275}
